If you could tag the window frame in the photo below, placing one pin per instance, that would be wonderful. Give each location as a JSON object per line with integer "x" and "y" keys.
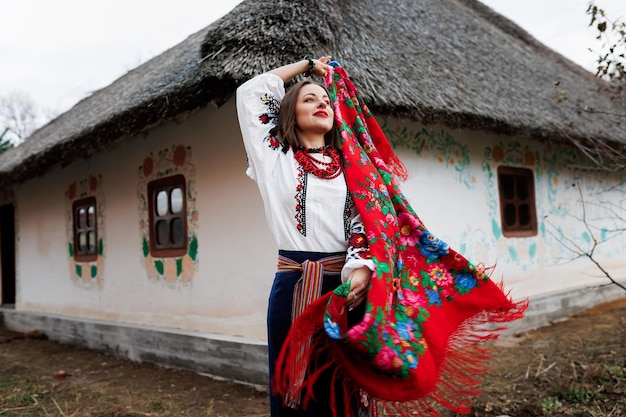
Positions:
{"x": 518, "y": 230}
{"x": 154, "y": 187}
{"x": 86, "y": 202}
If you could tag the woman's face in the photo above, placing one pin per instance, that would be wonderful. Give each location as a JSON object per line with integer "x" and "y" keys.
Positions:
{"x": 314, "y": 114}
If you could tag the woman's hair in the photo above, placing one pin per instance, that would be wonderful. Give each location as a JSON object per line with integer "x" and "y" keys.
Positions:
{"x": 285, "y": 129}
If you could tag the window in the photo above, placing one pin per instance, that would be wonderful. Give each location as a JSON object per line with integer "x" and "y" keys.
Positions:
{"x": 517, "y": 202}
{"x": 85, "y": 229}
{"x": 168, "y": 216}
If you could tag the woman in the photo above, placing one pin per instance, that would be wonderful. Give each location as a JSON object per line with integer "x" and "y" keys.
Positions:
{"x": 290, "y": 141}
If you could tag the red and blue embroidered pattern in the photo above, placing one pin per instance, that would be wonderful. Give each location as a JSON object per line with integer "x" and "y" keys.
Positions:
{"x": 270, "y": 117}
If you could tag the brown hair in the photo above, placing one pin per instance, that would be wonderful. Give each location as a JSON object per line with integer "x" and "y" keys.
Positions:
{"x": 285, "y": 128}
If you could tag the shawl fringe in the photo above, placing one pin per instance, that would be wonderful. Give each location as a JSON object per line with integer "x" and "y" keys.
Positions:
{"x": 457, "y": 384}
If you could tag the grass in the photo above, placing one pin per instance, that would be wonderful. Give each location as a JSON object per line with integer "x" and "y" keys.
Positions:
{"x": 585, "y": 390}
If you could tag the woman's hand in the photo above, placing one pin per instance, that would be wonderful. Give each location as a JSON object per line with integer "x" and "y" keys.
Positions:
{"x": 287, "y": 72}
{"x": 359, "y": 280}
{"x": 320, "y": 66}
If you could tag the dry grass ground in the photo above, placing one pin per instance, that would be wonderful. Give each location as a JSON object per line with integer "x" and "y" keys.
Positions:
{"x": 576, "y": 367}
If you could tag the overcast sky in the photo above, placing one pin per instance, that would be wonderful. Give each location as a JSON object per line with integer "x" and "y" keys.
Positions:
{"x": 59, "y": 51}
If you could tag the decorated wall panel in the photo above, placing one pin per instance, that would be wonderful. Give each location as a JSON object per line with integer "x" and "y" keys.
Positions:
{"x": 174, "y": 271}
{"x": 86, "y": 274}
{"x": 578, "y": 205}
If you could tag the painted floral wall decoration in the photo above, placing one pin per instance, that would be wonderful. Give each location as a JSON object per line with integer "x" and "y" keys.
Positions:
{"x": 559, "y": 173}
{"x": 443, "y": 147}
{"x": 176, "y": 271}
{"x": 86, "y": 274}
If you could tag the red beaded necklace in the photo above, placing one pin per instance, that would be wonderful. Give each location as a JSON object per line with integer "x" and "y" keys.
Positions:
{"x": 321, "y": 169}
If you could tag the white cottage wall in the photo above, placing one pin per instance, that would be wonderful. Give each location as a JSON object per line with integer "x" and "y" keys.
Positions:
{"x": 453, "y": 188}
{"x": 236, "y": 255}
{"x": 213, "y": 319}
{"x": 42, "y": 255}
{"x": 239, "y": 254}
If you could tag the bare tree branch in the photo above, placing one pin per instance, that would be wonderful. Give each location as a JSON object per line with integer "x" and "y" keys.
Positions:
{"x": 612, "y": 57}
{"x": 570, "y": 245}
{"x": 18, "y": 116}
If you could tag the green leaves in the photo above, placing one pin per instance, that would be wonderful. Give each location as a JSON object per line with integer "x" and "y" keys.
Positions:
{"x": 193, "y": 248}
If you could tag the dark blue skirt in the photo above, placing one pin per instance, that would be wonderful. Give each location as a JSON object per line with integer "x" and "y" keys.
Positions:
{"x": 278, "y": 324}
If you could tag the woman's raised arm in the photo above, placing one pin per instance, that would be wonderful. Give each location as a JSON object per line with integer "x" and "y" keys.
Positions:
{"x": 316, "y": 66}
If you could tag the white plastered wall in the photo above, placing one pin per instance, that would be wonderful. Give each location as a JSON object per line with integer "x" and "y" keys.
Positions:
{"x": 460, "y": 205}
{"x": 236, "y": 253}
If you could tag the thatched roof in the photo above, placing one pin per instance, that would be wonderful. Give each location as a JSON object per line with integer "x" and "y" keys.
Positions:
{"x": 454, "y": 62}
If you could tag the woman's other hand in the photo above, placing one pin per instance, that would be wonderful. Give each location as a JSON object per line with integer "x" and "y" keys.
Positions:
{"x": 359, "y": 281}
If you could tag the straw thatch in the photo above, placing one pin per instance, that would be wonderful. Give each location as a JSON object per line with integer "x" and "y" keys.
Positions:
{"x": 453, "y": 62}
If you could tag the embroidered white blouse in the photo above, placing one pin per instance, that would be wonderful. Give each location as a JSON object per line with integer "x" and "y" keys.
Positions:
{"x": 304, "y": 212}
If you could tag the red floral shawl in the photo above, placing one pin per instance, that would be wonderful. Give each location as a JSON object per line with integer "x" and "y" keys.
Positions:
{"x": 417, "y": 348}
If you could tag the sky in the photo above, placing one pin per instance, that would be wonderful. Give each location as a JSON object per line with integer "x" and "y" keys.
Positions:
{"x": 58, "y": 52}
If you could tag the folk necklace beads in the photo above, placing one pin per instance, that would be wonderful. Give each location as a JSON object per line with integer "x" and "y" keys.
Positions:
{"x": 319, "y": 168}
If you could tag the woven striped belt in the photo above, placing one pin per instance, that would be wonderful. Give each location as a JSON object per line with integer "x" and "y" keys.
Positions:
{"x": 309, "y": 287}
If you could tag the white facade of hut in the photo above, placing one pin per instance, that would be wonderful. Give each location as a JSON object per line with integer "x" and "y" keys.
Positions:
{"x": 221, "y": 294}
